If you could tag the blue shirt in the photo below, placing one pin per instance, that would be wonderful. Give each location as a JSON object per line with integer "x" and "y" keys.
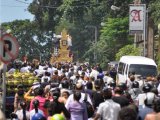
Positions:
{"x": 143, "y": 111}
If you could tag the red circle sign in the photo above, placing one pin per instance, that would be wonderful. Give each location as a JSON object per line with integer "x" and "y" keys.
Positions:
{"x": 9, "y": 48}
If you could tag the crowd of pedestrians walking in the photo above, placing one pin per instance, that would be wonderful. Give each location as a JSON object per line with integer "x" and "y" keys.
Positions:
{"x": 74, "y": 91}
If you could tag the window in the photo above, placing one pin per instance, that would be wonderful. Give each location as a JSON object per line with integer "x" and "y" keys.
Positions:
{"x": 126, "y": 69}
{"x": 143, "y": 70}
{"x": 121, "y": 68}
{"x": 64, "y": 42}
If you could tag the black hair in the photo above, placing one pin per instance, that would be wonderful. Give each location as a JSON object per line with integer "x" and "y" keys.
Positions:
{"x": 107, "y": 93}
{"x": 135, "y": 84}
{"x": 40, "y": 91}
{"x": 132, "y": 78}
{"x": 53, "y": 105}
{"x": 147, "y": 88}
{"x": 65, "y": 84}
{"x": 123, "y": 86}
{"x": 53, "y": 85}
{"x": 55, "y": 94}
{"x": 97, "y": 83}
{"x": 23, "y": 106}
{"x": 66, "y": 92}
{"x": 20, "y": 86}
{"x": 24, "y": 65}
{"x": 56, "y": 72}
{"x": 118, "y": 90}
{"x": 77, "y": 95}
{"x": 156, "y": 105}
{"x": 155, "y": 91}
{"x": 134, "y": 107}
{"x": 89, "y": 85}
{"x": 127, "y": 113}
{"x": 46, "y": 73}
{"x": 36, "y": 104}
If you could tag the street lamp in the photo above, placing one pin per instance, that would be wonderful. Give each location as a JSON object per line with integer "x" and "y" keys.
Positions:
{"x": 95, "y": 39}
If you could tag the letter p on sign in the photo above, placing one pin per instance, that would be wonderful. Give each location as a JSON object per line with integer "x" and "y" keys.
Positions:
{"x": 9, "y": 48}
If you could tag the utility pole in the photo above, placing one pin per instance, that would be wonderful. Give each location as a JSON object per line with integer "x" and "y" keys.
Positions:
{"x": 95, "y": 57}
{"x": 95, "y": 40}
{"x": 142, "y": 37}
{"x": 137, "y": 37}
{"x": 150, "y": 52}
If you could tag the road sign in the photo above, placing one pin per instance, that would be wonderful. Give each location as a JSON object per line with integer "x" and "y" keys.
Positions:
{"x": 9, "y": 48}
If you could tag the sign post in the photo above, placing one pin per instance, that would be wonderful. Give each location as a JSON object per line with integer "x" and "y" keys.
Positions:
{"x": 137, "y": 22}
{"x": 9, "y": 49}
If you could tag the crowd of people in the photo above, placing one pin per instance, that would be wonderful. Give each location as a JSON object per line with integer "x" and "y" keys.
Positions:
{"x": 74, "y": 91}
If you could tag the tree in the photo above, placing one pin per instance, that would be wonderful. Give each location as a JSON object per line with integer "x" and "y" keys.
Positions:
{"x": 114, "y": 35}
{"x": 46, "y": 12}
{"x": 31, "y": 40}
{"x": 128, "y": 50}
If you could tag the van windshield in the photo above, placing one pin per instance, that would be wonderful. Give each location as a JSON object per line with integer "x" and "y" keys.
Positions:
{"x": 143, "y": 70}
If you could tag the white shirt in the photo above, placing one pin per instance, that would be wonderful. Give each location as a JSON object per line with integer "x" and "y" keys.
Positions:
{"x": 24, "y": 69}
{"x": 45, "y": 77}
{"x": 141, "y": 98}
{"x": 149, "y": 96}
{"x": 158, "y": 88}
{"x": 39, "y": 72}
{"x": 129, "y": 84}
{"x": 107, "y": 79}
{"x": 19, "y": 113}
{"x": 71, "y": 99}
{"x": 69, "y": 41}
{"x": 50, "y": 70}
{"x": 109, "y": 110}
{"x": 11, "y": 71}
{"x": 94, "y": 74}
{"x": 75, "y": 68}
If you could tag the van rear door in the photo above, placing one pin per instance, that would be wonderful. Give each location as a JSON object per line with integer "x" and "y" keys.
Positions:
{"x": 121, "y": 72}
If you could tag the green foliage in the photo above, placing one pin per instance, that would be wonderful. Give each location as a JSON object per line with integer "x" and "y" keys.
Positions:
{"x": 64, "y": 24}
{"x": 128, "y": 50}
{"x": 52, "y": 16}
{"x": 155, "y": 10}
{"x": 75, "y": 15}
{"x": 114, "y": 35}
{"x": 46, "y": 12}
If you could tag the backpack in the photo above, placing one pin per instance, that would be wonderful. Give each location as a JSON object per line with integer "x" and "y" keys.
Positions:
{"x": 90, "y": 110}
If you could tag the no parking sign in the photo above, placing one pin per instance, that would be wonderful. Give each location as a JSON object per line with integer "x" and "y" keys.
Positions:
{"x": 9, "y": 48}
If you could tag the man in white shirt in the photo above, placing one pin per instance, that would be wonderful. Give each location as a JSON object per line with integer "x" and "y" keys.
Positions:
{"x": 107, "y": 79}
{"x": 94, "y": 73}
{"x": 24, "y": 70}
{"x": 46, "y": 77}
{"x": 79, "y": 87}
{"x": 109, "y": 109}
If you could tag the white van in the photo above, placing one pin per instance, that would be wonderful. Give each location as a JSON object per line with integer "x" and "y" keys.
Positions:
{"x": 135, "y": 64}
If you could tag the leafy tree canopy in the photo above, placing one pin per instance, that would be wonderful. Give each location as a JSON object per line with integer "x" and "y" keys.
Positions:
{"x": 127, "y": 50}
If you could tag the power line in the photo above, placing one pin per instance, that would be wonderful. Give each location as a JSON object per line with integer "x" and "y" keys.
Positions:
{"x": 76, "y": 6}
{"x": 22, "y": 2}
{"x": 86, "y": 5}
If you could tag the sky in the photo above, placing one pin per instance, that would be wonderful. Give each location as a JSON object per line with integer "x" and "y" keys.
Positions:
{"x": 11, "y": 10}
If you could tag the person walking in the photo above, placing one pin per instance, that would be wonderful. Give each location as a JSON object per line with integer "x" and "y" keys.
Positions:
{"x": 76, "y": 108}
{"x": 109, "y": 109}
{"x": 156, "y": 114}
